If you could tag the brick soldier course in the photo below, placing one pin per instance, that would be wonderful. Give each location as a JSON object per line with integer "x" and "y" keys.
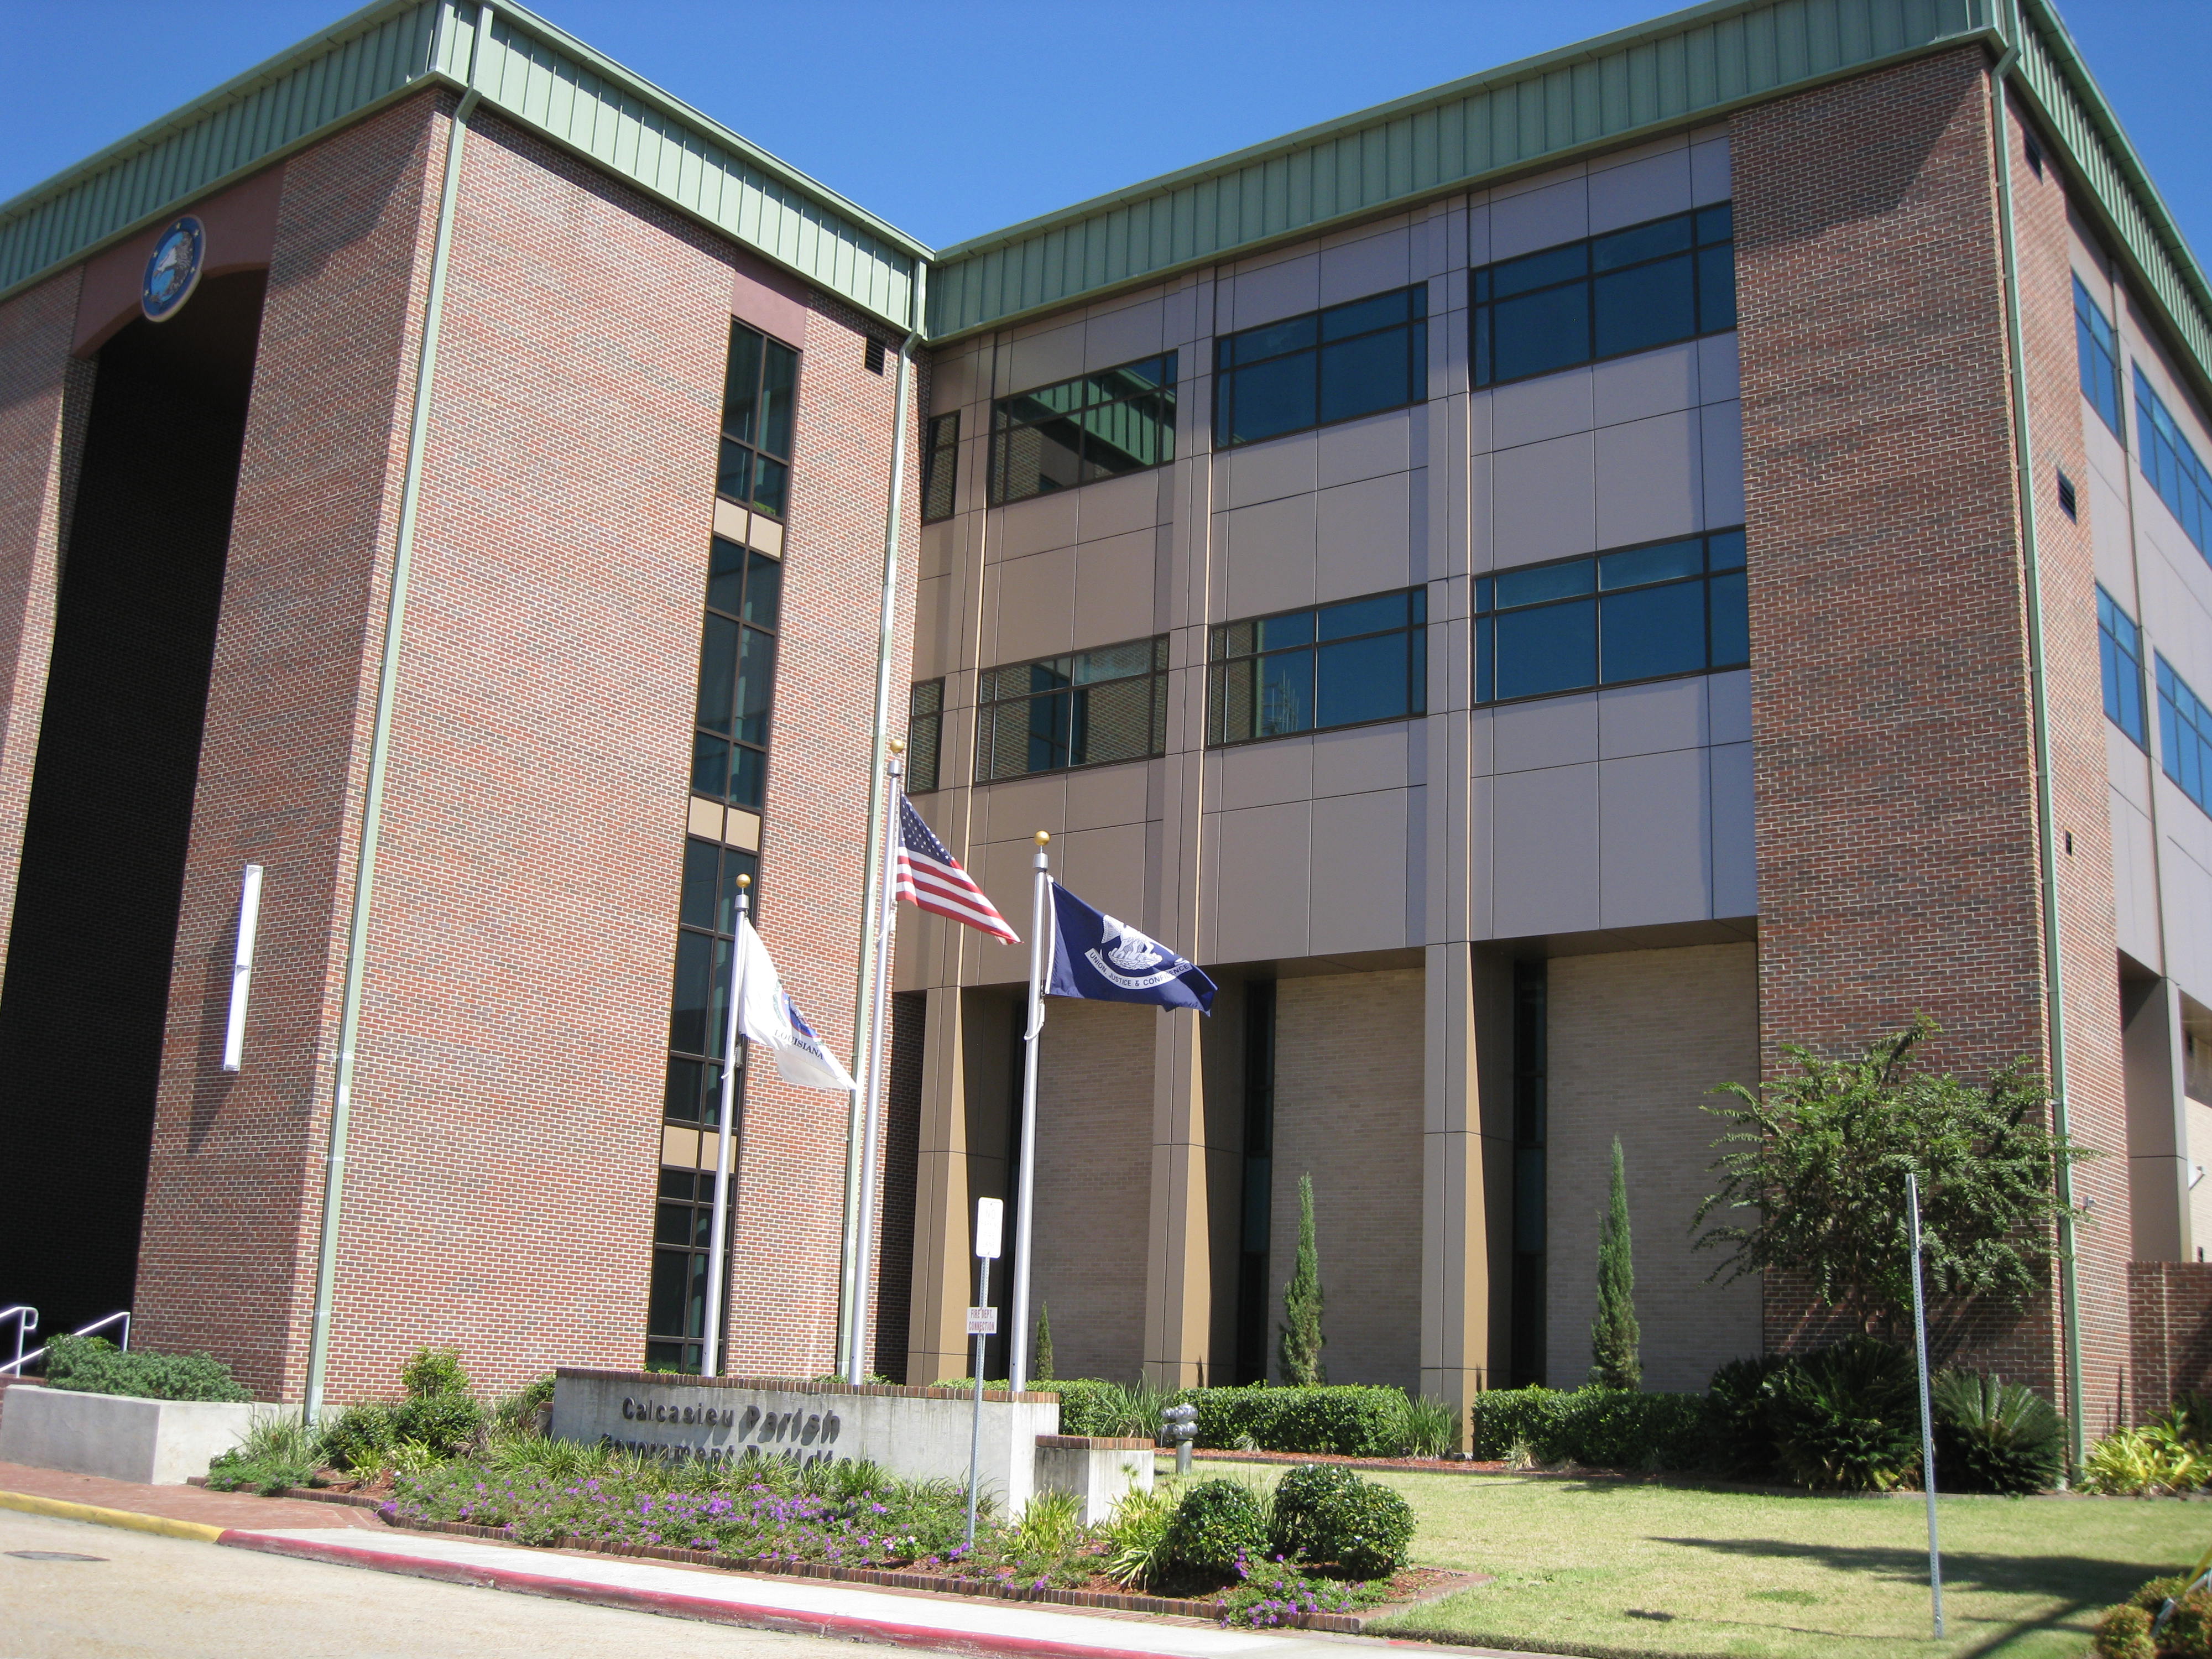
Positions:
{"x": 1715, "y": 863}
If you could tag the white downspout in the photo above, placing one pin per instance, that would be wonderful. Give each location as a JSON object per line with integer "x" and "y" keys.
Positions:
{"x": 854, "y": 1279}
{"x": 2069, "y": 1304}
{"x": 380, "y": 743}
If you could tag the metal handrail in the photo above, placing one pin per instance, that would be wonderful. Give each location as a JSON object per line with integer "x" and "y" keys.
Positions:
{"x": 14, "y": 1367}
{"x": 27, "y": 1320}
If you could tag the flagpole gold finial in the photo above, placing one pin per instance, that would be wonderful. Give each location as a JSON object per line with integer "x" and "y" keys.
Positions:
{"x": 1043, "y": 836}
{"x": 898, "y": 745}
{"x": 745, "y": 880}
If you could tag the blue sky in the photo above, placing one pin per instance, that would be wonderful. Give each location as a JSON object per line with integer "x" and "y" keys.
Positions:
{"x": 950, "y": 119}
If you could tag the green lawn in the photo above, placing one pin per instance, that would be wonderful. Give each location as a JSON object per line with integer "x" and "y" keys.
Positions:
{"x": 1626, "y": 1567}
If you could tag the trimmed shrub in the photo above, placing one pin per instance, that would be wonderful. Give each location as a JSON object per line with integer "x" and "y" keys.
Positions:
{"x": 1604, "y": 1428}
{"x": 1740, "y": 1415}
{"x": 1351, "y": 1420}
{"x": 1846, "y": 1418}
{"x": 1326, "y": 1513}
{"x": 1375, "y": 1528}
{"x": 1995, "y": 1437}
{"x": 444, "y": 1424}
{"x": 1216, "y": 1522}
{"x": 92, "y": 1364}
{"x": 2124, "y": 1632}
{"x": 1306, "y": 1499}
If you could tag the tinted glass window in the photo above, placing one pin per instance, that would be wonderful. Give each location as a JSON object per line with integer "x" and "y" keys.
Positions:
{"x": 1337, "y": 665}
{"x": 2097, "y": 349}
{"x": 1088, "y": 709}
{"x": 940, "y": 466}
{"x": 1626, "y": 291}
{"x": 2119, "y": 649}
{"x": 736, "y": 675}
{"x": 2184, "y": 736}
{"x": 759, "y": 403}
{"x": 1338, "y": 364}
{"x": 1095, "y": 426}
{"x": 1640, "y": 613}
{"x": 924, "y": 735}
{"x": 2170, "y": 463}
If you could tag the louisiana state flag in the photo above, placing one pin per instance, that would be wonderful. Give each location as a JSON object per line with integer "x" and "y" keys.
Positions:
{"x": 1096, "y": 956}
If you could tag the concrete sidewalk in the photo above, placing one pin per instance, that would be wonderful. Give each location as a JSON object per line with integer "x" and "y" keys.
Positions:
{"x": 796, "y": 1606}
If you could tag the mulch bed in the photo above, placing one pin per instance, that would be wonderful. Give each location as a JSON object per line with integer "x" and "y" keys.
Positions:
{"x": 1409, "y": 1589}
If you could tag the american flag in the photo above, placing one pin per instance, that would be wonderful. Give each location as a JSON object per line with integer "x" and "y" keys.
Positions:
{"x": 929, "y": 876}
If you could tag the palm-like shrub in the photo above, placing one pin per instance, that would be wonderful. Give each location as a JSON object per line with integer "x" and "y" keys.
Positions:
{"x": 1845, "y": 1419}
{"x": 1993, "y": 1436}
{"x": 1740, "y": 1411}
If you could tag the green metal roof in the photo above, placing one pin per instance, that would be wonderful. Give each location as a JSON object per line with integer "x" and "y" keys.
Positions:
{"x": 1638, "y": 83}
{"x": 535, "y": 75}
{"x": 1634, "y": 84}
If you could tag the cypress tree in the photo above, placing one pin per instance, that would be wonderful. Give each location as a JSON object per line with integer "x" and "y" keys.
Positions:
{"x": 1041, "y": 1367}
{"x": 1300, "y": 1344}
{"x": 1613, "y": 1333}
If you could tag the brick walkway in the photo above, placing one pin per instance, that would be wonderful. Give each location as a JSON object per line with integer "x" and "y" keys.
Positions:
{"x": 213, "y": 1509}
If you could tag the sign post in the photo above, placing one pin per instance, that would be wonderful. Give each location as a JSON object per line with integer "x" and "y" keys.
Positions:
{"x": 982, "y": 1321}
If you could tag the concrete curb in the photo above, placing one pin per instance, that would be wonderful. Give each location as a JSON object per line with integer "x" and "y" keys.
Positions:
{"x": 62, "y": 1510}
{"x": 710, "y": 1610}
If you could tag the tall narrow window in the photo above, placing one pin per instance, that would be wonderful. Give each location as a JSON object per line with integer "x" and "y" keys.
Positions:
{"x": 1348, "y": 664}
{"x": 1338, "y": 364}
{"x": 1629, "y": 290}
{"x": 1254, "y": 1294}
{"x": 2184, "y": 736}
{"x": 925, "y": 734}
{"x": 706, "y": 909}
{"x": 758, "y": 394}
{"x": 1095, "y": 426}
{"x": 2119, "y": 648}
{"x": 2170, "y": 463}
{"x": 1085, "y": 709}
{"x": 941, "y": 467}
{"x": 1640, "y": 613}
{"x": 736, "y": 675}
{"x": 1531, "y": 1016}
{"x": 2098, "y": 349}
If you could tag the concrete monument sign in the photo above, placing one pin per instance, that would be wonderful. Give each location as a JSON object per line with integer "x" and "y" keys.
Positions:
{"x": 919, "y": 1433}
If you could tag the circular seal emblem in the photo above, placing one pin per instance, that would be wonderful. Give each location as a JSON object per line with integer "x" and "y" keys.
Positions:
{"x": 174, "y": 271}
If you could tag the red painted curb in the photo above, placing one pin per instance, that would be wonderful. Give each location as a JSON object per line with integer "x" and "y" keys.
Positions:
{"x": 704, "y": 1609}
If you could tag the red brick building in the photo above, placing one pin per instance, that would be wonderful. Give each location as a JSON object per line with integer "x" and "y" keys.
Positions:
{"x": 1586, "y": 575}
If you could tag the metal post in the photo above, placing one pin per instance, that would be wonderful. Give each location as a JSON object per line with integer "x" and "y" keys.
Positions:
{"x": 1927, "y": 1418}
{"x": 878, "y": 1048}
{"x": 1017, "y": 1340}
{"x": 710, "y": 1347}
{"x": 990, "y": 1223}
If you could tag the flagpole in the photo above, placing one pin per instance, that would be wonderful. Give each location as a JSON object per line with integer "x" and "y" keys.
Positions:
{"x": 1017, "y": 1341}
{"x": 879, "y": 1042}
{"x": 710, "y": 1351}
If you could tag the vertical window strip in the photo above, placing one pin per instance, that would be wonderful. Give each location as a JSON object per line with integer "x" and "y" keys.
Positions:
{"x": 2170, "y": 464}
{"x": 2184, "y": 736}
{"x": 924, "y": 735}
{"x": 691, "y": 1104}
{"x": 760, "y": 390}
{"x": 2119, "y": 650}
{"x": 941, "y": 467}
{"x": 736, "y": 675}
{"x": 1531, "y": 1111}
{"x": 1660, "y": 611}
{"x": 1343, "y": 362}
{"x": 1088, "y": 709}
{"x": 1629, "y": 290}
{"x": 2098, "y": 348}
{"x": 1354, "y": 663}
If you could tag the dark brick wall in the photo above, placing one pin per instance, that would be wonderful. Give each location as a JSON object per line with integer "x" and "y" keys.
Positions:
{"x": 1894, "y": 765}
{"x": 2169, "y": 1306}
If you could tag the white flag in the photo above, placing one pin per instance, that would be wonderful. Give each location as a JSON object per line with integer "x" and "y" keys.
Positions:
{"x": 769, "y": 1017}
